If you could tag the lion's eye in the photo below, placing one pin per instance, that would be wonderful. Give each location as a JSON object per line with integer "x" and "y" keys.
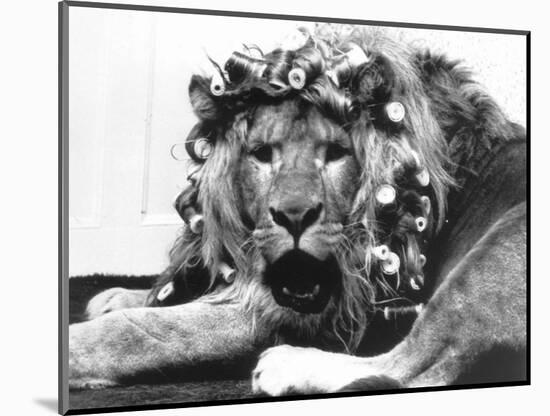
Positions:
{"x": 263, "y": 153}
{"x": 335, "y": 152}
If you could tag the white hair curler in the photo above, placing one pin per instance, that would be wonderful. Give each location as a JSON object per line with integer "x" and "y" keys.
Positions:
{"x": 217, "y": 85}
{"x": 421, "y": 224}
{"x": 166, "y": 291}
{"x": 385, "y": 194}
{"x": 228, "y": 273}
{"x": 413, "y": 284}
{"x": 426, "y": 204}
{"x": 395, "y": 111}
{"x": 423, "y": 177}
{"x": 297, "y": 78}
{"x": 381, "y": 252}
{"x": 391, "y": 264}
{"x": 202, "y": 148}
{"x": 196, "y": 223}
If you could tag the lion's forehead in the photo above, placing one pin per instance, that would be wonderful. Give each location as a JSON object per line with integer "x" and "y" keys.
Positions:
{"x": 293, "y": 121}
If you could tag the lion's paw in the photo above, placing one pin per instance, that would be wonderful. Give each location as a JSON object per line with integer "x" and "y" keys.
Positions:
{"x": 294, "y": 370}
{"x": 115, "y": 299}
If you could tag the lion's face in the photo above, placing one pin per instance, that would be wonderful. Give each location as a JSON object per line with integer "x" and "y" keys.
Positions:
{"x": 297, "y": 179}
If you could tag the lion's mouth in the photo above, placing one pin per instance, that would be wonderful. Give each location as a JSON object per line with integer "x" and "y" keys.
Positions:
{"x": 302, "y": 282}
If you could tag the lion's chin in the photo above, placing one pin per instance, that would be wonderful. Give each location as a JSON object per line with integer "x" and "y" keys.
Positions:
{"x": 302, "y": 282}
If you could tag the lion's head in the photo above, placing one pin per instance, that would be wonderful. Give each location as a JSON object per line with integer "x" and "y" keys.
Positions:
{"x": 317, "y": 181}
{"x": 297, "y": 180}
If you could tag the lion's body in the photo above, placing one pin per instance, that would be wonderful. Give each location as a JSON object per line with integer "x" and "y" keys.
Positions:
{"x": 475, "y": 277}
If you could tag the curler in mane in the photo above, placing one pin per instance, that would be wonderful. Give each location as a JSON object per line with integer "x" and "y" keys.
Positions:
{"x": 413, "y": 262}
{"x": 279, "y": 65}
{"x": 407, "y": 223}
{"x": 217, "y": 84}
{"x": 166, "y": 291}
{"x": 199, "y": 142}
{"x": 227, "y": 272}
{"x": 307, "y": 66}
{"x": 395, "y": 111}
{"x": 381, "y": 252}
{"x": 422, "y": 175}
{"x": 385, "y": 195}
{"x": 421, "y": 223}
{"x": 407, "y": 165}
{"x": 187, "y": 207}
{"x": 391, "y": 265}
{"x": 426, "y": 205}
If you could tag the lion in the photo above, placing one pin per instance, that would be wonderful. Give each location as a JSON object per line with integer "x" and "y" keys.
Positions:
{"x": 335, "y": 181}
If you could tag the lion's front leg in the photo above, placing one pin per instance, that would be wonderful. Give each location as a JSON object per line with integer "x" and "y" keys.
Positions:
{"x": 124, "y": 344}
{"x": 479, "y": 307}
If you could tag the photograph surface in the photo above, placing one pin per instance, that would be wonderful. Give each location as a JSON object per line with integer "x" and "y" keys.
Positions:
{"x": 262, "y": 207}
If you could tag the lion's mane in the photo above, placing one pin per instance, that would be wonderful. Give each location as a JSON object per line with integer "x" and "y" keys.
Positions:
{"x": 449, "y": 119}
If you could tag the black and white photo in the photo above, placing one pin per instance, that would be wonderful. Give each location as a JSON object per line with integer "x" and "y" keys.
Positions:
{"x": 266, "y": 207}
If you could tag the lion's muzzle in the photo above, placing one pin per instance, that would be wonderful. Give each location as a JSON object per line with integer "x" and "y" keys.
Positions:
{"x": 296, "y": 219}
{"x": 302, "y": 282}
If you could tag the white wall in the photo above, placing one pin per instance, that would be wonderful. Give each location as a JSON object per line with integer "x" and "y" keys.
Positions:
{"x": 128, "y": 105}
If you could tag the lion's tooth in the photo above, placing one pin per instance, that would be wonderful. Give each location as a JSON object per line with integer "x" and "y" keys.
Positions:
{"x": 316, "y": 290}
{"x": 286, "y": 291}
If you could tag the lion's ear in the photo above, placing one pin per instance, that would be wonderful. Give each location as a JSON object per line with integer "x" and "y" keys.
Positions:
{"x": 203, "y": 102}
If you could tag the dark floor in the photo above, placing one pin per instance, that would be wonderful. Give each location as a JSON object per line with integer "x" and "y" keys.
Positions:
{"x": 81, "y": 290}
{"x": 217, "y": 387}
{"x": 223, "y": 385}
{"x": 152, "y": 394}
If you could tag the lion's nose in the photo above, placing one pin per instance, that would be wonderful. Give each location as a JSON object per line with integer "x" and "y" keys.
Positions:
{"x": 296, "y": 219}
